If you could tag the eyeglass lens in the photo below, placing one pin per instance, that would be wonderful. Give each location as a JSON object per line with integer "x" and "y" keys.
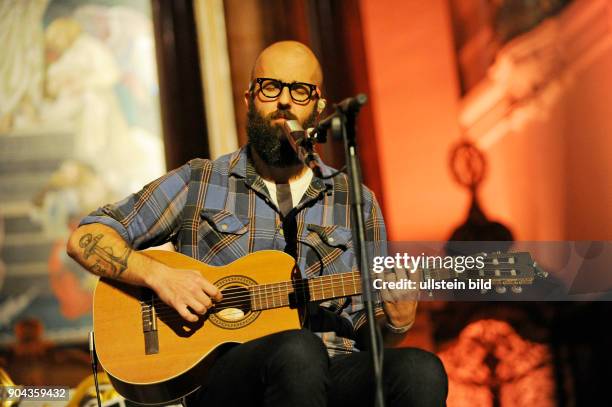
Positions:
{"x": 300, "y": 92}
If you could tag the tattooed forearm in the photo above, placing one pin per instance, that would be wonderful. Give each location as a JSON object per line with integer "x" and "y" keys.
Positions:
{"x": 107, "y": 264}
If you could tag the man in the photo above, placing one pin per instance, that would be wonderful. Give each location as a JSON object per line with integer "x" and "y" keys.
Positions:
{"x": 263, "y": 197}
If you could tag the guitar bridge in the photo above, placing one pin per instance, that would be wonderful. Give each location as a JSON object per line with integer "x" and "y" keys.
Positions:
{"x": 149, "y": 327}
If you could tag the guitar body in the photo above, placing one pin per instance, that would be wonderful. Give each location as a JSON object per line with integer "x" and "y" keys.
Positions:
{"x": 152, "y": 355}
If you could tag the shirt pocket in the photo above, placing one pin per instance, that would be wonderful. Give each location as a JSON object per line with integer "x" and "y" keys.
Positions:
{"x": 222, "y": 236}
{"x": 326, "y": 249}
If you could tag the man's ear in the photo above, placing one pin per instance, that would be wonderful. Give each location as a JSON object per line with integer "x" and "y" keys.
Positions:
{"x": 247, "y": 98}
{"x": 321, "y": 103}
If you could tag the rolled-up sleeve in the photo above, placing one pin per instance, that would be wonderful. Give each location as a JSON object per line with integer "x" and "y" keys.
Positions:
{"x": 152, "y": 215}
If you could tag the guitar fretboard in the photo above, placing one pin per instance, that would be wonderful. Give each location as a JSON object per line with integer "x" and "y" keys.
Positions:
{"x": 282, "y": 294}
{"x": 274, "y": 295}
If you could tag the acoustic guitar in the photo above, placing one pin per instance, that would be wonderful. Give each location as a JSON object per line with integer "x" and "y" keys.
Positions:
{"x": 153, "y": 356}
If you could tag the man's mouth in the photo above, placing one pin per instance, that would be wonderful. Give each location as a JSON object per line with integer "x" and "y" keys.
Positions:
{"x": 283, "y": 116}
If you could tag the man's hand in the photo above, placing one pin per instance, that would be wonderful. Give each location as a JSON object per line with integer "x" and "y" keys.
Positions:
{"x": 190, "y": 294}
{"x": 400, "y": 304}
{"x": 102, "y": 251}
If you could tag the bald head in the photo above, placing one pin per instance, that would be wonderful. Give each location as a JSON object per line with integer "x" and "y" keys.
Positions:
{"x": 288, "y": 61}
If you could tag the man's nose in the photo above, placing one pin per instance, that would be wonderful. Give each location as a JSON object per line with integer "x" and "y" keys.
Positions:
{"x": 284, "y": 99}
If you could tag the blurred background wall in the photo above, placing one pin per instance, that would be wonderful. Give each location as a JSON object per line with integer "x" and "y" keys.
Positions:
{"x": 526, "y": 82}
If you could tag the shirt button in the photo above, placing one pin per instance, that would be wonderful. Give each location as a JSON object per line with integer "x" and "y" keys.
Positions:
{"x": 330, "y": 240}
{"x": 224, "y": 227}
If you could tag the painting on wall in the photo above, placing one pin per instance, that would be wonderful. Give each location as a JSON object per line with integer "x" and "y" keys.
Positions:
{"x": 79, "y": 127}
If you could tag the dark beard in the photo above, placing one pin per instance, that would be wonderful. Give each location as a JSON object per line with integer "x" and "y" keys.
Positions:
{"x": 269, "y": 141}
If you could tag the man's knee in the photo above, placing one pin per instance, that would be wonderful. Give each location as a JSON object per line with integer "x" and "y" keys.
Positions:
{"x": 415, "y": 361}
{"x": 298, "y": 367}
{"x": 417, "y": 371}
{"x": 299, "y": 349}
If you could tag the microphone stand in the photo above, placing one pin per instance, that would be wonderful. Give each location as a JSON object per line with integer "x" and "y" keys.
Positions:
{"x": 343, "y": 126}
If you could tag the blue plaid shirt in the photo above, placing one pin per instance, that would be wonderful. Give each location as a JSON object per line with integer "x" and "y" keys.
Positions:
{"x": 218, "y": 211}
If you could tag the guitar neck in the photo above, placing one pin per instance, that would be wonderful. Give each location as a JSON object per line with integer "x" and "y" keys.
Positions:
{"x": 290, "y": 293}
{"x": 296, "y": 292}
{"x": 301, "y": 291}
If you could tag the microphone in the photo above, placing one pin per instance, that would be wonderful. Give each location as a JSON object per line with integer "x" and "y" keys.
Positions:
{"x": 319, "y": 132}
{"x": 348, "y": 107}
{"x": 302, "y": 143}
{"x": 352, "y": 105}
{"x": 294, "y": 131}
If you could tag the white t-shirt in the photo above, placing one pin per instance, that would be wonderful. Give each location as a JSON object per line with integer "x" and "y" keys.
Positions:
{"x": 298, "y": 187}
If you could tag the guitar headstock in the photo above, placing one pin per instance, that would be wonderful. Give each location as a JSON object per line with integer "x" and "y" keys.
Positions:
{"x": 514, "y": 270}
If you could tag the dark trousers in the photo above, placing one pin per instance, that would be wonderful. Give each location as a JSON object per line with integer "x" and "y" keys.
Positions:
{"x": 292, "y": 369}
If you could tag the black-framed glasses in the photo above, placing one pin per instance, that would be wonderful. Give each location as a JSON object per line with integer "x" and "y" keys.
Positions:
{"x": 299, "y": 91}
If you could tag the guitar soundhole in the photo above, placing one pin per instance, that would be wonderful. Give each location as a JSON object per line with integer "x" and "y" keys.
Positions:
{"x": 235, "y": 310}
{"x": 235, "y": 305}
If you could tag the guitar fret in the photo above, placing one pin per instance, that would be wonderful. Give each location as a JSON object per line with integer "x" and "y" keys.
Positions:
{"x": 281, "y": 294}
{"x": 336, "y": 284}
{"x": 261, "y": 298}
{"x": 286, "y": 295}
{"x": 274, "y": 295}
{"x": 277, "y": 296}
{"x": 322, "y": 289}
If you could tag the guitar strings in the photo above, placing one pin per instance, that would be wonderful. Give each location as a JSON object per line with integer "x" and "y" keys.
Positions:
{"x": 270, "y": 294}
{"x": 265, "y": 290}
{"x": 173, "y": 315}
{"x": 270, "y": 287}
{"x": 166, "y": 310}
{"x": 233, "y": 301}
{"x": 269, "y": 291}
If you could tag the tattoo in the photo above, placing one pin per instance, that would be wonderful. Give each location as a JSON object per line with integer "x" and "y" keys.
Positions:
{"x": 107, "y": 264}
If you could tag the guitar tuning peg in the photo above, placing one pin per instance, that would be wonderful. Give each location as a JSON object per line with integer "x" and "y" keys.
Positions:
{"x": 500, "y": 289}
{"x": 516, "y": 289}
{"x": 539, "y": 272}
